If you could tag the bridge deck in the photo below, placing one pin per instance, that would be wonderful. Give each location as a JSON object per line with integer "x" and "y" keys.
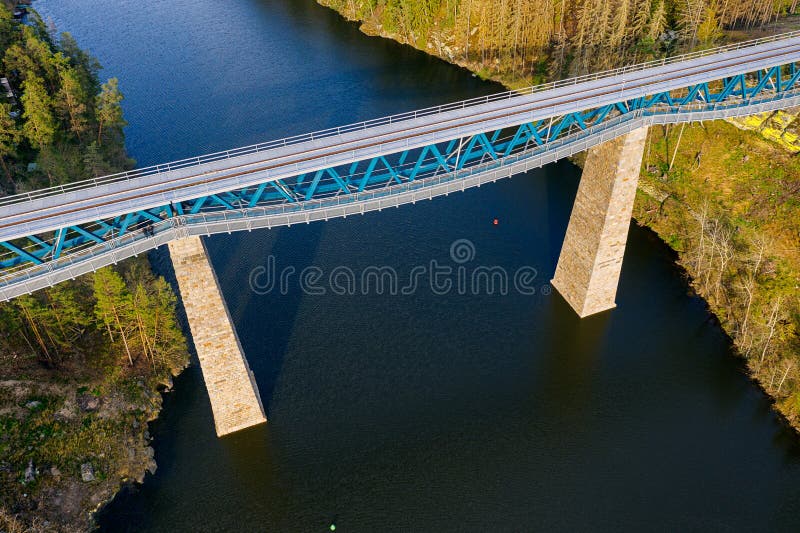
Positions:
{"x": 21, "y": 217}
{"x": 88, "y": 259}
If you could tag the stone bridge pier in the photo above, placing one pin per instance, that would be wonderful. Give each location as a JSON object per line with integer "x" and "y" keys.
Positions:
{"x": 235, "y": 401}
{"x": 589, "y": 266}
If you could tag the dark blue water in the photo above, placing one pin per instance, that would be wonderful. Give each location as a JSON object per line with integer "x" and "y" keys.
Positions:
{"x": 422, "y": 412}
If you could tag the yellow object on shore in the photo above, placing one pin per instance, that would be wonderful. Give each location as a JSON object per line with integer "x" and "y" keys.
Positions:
{"x": 774, "y": 126}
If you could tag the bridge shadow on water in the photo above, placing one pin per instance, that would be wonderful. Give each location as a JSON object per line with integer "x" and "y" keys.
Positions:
{"x": 186, "y": 420}
{"x": 264, "y": 329}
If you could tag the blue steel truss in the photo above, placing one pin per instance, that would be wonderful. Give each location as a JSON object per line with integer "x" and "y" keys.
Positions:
{"x": 401, "y": 167}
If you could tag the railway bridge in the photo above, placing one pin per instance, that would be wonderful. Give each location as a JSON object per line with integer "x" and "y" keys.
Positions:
{"x": 51, "y": 235}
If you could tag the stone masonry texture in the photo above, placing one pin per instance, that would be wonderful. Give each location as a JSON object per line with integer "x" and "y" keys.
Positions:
{"x": 235, "y": 401}
{"x": 589, "y": 266}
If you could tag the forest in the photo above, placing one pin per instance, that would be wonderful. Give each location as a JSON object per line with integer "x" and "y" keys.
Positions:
{"x": 62, "y": 125}
{"x": 522, "y": 42}
{"x": 81, "y": 362}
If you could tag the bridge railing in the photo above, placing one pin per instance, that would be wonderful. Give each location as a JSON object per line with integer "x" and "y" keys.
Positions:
{"x": 388, "y": 120}
{"x": 162, "y": 232}
{"x": 159, "y": 232}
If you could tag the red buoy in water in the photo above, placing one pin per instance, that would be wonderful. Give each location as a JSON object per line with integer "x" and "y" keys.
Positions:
{"x": 495, "y": 222}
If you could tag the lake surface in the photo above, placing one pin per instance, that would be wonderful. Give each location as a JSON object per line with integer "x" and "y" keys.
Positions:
{"x": 423, "y": 411}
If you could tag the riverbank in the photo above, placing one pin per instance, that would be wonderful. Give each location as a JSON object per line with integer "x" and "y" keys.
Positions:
{"x": 83, "y": 364}
{"x": 724, "y": 198}
{"x": 75, "y": 432}
{"x": 72, "y": 438}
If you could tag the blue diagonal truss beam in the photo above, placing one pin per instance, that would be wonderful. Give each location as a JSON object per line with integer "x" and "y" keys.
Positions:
{"x": 406, "y": 166}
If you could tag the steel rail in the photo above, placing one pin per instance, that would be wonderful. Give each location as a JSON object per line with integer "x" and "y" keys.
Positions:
{"x": 400, "y": 135}
{"x": 86, "y": 260}
{"x": 403, "y": 116}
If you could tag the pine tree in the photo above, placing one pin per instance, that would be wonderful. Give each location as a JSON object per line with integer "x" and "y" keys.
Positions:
{"x": 619, "y": 26}
{"x": 17, "y": 59}
{"x": 169, "y": 341}
{"x": 85, "y": 65}
{"x": 72, "y": 100}
{"x": 8, "y": 29}
{"x": 641, "y": 15}
{"x": 109, "y": 111}
{"x": 36, "y": 319}
{"x": 94, "y": 162}
{"x": 142, "y": 307}
{"x": 114, "y": 306}
{"x": 47, "y": 61}
{"x": 40, "y": 125}
{"x": 9, "y": 138}
{"x": 71, "y": 311}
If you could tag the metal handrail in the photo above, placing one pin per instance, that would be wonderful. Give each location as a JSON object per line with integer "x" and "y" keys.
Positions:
{"x": 204, "y": 218}
{"x": 391, "y": 119}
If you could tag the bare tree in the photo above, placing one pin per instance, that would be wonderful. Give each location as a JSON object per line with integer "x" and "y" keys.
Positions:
{"x": 771, "y": 323}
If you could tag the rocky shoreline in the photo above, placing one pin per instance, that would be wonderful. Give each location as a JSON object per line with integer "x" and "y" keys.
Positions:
{"x": 73, "y": 437}
{"x": 65, "y": 495}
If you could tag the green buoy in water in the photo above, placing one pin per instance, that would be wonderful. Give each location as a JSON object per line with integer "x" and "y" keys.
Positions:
{"x": 333, "y": 527}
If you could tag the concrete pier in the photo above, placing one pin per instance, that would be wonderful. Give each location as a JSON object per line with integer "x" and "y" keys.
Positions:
{"x": 589, "y": 266}
{"x": 235, "y": 401}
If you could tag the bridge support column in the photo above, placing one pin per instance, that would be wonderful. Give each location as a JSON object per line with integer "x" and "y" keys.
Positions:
{"x": 235, "y": 401}
{"x": 589, "y": 266}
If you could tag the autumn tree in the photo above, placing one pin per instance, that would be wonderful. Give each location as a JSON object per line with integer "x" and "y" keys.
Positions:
{"x": 709, "y": 30}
